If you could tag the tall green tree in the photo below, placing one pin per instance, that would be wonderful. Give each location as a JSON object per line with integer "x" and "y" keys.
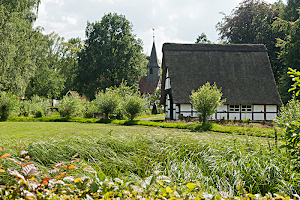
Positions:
{"x": 251, "y": 23}
{"x": 289, "y": 54}
{"x": 111, "y": 53}
{"x": 17, "y": 44}
{"x": 291, "y": 11}
{"x": 69, "y": 62}
{"x": 48, "y": 81}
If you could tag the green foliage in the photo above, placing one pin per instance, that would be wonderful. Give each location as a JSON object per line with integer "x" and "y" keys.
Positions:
{"x": 8, "y": 105}
{"x": 48, "y": 82}
{"x": 133, "y": 105}
{"x": 289, "y": 112}
{"x": 70, "y": 106}
{"x": 289, "y": 120}
{"x": 106, "y": 103}
{"x": 89, "y": 109}
{"x": 111, "y": 53}
{"x": 211, "y": 163}
{"x": 202, "y": 39}
{"x": 18, "y": 42}
{"x": 206, "y": 101}
{"x": 64, "y": 182}
{"x": 251, "y": 23}
{"x": 36, "y": 106}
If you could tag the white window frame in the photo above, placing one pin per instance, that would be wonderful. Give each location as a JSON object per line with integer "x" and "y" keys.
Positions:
{"x": 246, "y": 108}
{"x": 234, "y": 108}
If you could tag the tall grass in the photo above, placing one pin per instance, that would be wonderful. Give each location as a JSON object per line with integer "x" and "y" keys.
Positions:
{"x": 219, "y": 163}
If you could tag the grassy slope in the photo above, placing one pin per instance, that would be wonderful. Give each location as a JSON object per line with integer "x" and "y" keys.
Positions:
{"x": 219, "y": 162}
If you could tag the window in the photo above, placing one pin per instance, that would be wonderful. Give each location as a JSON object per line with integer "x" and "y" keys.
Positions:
{"x": 246, "y": 108}
{"x": 234, "y": 108}
{"x": 151, "y": 71}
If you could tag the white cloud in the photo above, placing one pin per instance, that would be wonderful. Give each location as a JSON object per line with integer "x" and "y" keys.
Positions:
{"x": 173, "y": 16}
{"x": 70, "y": 20}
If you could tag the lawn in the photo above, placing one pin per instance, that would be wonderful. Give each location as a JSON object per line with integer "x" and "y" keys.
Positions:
{"x": 219, "y": 162}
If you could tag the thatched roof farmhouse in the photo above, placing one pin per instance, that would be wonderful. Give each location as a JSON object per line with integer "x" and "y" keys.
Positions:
{"x": 243, "y": 71}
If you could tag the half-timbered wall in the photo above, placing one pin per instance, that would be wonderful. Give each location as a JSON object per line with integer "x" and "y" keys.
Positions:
{"x": 226, "y": 112}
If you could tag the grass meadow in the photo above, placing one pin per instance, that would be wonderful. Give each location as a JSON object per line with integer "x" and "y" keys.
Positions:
{"x": 219, "y": 162}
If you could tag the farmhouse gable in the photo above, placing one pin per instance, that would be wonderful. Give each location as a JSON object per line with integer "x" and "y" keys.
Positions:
{"x": 242, "y": 71}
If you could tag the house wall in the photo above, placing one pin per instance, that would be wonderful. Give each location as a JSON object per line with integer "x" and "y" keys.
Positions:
{"x": 258, "y": 112}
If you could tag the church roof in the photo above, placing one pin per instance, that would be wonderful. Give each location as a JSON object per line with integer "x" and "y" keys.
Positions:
{"x": 153, "y": 57}
{"x": 243, "y": 71}
{"x": 146, "y": 87}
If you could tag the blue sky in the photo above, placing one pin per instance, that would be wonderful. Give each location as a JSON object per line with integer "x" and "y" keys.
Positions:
{"x": 173, "y": 20}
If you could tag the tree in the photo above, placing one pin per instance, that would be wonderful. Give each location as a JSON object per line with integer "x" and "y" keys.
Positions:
{"x": 202, "y": 39}
{"x": 251, "y": 23}
{"x": 206, "y": 101}
{"x": 289, "y": 51}
{"x": 17, "y": 44}
{"x": 107, "y": 102}
{"x": 133, "y": 105}
{"x": 111, "y": 54}
{"x": 48, "y": 81}
{"x": 70, "y": 106}
{"x": 291, "y": 11}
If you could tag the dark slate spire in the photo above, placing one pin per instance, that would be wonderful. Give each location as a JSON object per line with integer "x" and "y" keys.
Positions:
{"x": 153, "y": 57}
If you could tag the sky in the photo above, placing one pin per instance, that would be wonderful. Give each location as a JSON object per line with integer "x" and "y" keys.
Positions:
{"x": 177, "y": 21}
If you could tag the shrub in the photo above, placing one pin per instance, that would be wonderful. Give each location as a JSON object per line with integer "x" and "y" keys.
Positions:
{"x": 89, "y": 109}
{"x": 106, "y": 103}
{"x": 70, "y": 106}
{"x": 40, "y": 105}
{"x": 289, "y": 112}
{"x": 25, "y": 107}
{"x": 133, "y": 105}
{"x": 8, "y": 105}
{"x": 206, "y": 101}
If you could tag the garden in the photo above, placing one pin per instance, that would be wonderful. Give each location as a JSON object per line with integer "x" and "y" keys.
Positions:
{"x": 68, "y": 154}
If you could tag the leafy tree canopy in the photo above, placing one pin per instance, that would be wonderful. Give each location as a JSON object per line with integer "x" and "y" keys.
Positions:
{"x": 111, "y": 53}
{"x": 251, "y": 23}
{"x": 17, "y": 44}
{"x": 202, "y": 39}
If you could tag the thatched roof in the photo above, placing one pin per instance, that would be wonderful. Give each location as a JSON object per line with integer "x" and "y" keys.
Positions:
{"x": 243, "y": 71}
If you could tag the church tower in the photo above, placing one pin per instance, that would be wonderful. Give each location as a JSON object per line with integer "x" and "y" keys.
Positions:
{"x": 148, "y": 84}
{"x": 153, "y": 69}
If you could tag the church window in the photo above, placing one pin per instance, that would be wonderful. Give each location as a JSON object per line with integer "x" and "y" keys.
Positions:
{"x": 151, "y": 71}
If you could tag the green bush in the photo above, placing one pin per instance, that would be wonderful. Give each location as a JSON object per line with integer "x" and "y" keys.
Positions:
{"x": 41, "y": 105}
{"x": 25, "y": 108}
{"x": 133, "y": 105}
{"x": 106, "y": 103}
{"x": 206, "y": 101}
{"x": 70, "y": 106}
{"x": 289, "y": 112}
{"x": 89, "y": 109}
{"x": 8, "y": 105}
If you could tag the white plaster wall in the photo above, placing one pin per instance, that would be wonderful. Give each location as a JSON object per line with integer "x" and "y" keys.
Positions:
{"x": 167, "y": 75}
{"x": 177, "y": 108}
{"x": 258, "y": 116}
{"x": 271, "y": 108}
{"x": 271, "y": 116}
{"x": 234, "y": 115}
{"x": 185, "y": 107}
{"x": 168, "y": 102}
{"x": 248, "y": 115}
{"x": 258, "y": 108}
{"x": 222, "y": 108}
{"x": 176, "y": 116}
{"x": 221, "y": 115}
{"x": 168, "y": 84}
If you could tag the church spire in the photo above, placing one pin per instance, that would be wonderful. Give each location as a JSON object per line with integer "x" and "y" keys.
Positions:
{"x": 153, "y": 57}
